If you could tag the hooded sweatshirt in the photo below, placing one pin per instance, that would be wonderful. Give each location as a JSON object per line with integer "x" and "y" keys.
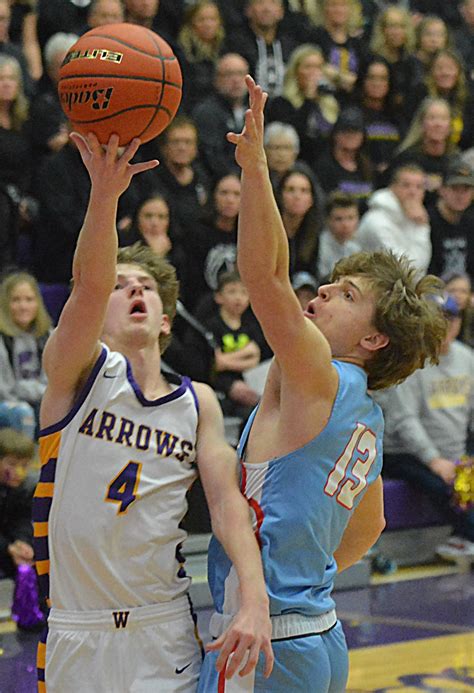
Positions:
{"x": 385, "y": 225}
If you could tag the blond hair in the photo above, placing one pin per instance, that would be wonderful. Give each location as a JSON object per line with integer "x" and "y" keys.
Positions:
{"x": 195, "y": 49}
{"x": 291, "y": 89}
{"x": 414, "y": 135}
{"x": 41, "y": 323}
{"x": 378, "y": 43}
{"x": 16, "y": 444}
{"x": 162, "y": 272}
{"x": 414, "y": 324}
{"x": 20, "y": 107}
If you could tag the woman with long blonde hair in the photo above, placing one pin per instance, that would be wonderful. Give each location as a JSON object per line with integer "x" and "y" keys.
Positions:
{"x": 200, "y": 39}
{"x": 306, "y": 102}
{"x": 393, "y": 38}
{"x": 14, "y": 155}
{"x": 24, "y": 328}
{"x": 428, "y": 143}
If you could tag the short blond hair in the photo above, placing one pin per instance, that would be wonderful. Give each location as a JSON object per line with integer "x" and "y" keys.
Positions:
{"x": 162, "y": 272}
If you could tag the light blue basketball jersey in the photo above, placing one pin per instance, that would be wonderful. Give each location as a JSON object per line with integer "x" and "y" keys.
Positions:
{"x": 302, "y": 503}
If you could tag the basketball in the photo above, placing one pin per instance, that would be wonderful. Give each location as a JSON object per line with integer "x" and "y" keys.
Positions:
{"x": 123, "y": 79}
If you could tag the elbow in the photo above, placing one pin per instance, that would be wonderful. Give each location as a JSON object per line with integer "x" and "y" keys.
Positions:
{"x": 380, "y": 527}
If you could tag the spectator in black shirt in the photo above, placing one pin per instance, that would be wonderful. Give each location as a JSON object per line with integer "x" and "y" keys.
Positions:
{"x": 452, "y": 221}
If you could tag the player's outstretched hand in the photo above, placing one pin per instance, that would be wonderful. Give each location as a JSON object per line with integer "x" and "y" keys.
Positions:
{"x": 109, "y": 166}
{"x": 249, "y": 152}
{"x": 248, "y": 635}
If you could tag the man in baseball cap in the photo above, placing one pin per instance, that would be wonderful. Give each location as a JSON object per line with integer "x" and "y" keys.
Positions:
{"x": 451, "y": 221}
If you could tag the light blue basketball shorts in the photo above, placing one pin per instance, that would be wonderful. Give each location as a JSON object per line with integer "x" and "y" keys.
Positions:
{"x": 303, "y": 664}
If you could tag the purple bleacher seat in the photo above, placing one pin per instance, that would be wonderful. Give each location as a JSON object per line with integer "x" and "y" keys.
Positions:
{"x": 54, "y": 297}
{"x": 406, "y": 508}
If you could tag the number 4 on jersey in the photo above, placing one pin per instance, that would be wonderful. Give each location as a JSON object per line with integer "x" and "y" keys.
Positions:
{"x": 349, "y": 483}
{"x": 123, "y": 489}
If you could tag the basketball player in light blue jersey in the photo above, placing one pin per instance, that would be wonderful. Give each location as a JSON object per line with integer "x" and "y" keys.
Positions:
{"x": 311, "y": 453}
{"x": 119, "y": 447}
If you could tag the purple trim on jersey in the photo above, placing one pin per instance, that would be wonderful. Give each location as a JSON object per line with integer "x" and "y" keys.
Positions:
{"x": 80, "y": 400}
{"x": 189, "y": 384}
{"x": 180, "y": 390}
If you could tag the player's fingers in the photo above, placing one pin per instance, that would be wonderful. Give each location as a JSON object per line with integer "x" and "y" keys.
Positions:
{"x": 252, "y": 660}
{"x": 81, "y": 143}
{"x": 131, "y": 149}
{"x": 269, "y": 658}
{"x": 228, "y": 646}
{"x": 112, "y": 148}
{"x": 144, "y": 166}
{"x": 233, "y": 137}
{"x": 94, "y": 144}
{"x": 238, "y": 656}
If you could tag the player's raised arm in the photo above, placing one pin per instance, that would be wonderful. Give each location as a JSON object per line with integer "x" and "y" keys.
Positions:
{"x": 74, "y": 346}
{"x": 263, "y": 257}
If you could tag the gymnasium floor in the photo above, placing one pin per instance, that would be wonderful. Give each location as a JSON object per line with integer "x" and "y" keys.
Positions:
{"x": 412, "y": 631}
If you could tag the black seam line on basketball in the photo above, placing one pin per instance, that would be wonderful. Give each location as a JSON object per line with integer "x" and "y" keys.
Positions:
{"x": 164, "y": 74}
{"x": 125, "y": 110}
{"x": 164, "y": 82}
{"x": 158, "y": 105}
{"x": 138, "y": 50}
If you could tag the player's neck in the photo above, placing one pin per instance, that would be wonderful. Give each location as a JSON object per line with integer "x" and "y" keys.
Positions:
{"x": 146, "y": 369}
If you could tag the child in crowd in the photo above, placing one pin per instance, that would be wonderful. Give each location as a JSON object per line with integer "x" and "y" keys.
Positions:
{"x": 238, "y": 349}
{"x": 337, "y": 238}
{"x": 16, "y": 493}
{"x": 237, "y": 339}
{"x": 24, "y": 328}
{"x": 305, "y": 287}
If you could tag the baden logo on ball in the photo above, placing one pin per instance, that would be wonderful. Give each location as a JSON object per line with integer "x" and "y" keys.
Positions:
{"x": 123, "y": 79}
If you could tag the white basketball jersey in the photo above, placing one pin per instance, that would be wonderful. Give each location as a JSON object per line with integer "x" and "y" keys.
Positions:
{"x": 112, "y": 492}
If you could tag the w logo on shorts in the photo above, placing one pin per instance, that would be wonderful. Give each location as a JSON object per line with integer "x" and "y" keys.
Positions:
{"x": 121, "y": 618}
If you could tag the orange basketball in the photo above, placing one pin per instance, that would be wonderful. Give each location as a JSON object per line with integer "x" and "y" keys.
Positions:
{"x": 123, "y": 79}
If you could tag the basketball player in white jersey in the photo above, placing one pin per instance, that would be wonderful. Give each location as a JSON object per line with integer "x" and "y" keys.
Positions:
{"x": 119, "y": 446}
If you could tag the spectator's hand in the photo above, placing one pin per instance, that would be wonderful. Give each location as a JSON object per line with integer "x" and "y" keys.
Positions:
{"x": 240, "y": 360}
{"x": 21, "y": 553}
{"x": 243, "y": 394}
{"x": 248, "y": 635}
{"x": 443, "y": 468}
{"x": 160, "y": 243}
{"x": 415, "y": 211}
{"x": 57, "y": 141}
{"x": 347, "y": 80}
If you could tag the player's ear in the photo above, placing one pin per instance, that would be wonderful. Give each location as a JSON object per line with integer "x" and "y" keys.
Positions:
{"x": 375, "y": 341}
{"x": 165, "y": 324}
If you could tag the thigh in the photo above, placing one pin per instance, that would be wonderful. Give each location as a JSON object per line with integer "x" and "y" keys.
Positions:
{"x": 163, "y": 657}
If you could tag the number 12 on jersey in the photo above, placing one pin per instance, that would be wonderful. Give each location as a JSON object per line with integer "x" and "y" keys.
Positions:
{"x": 123, "y": 489}
{"x": 348, "y": 478}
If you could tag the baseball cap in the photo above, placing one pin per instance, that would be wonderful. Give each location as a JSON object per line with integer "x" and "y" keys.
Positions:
{"x": 304, "y": 279}
{"x": 459, "y": 172}
{"x": 350, "y": 118}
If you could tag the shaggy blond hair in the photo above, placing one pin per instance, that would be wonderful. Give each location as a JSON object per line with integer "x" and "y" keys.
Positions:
{"x": 414, "y": 324}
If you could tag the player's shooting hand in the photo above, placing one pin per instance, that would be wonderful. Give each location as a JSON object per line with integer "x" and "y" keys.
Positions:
{"x": 109, "y": 165}
{"x": 249, "y": 151}
{"x": 248, "y": 635}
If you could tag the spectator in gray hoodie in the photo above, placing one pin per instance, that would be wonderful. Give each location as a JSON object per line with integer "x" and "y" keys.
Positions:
{"x": 397, "y": 219}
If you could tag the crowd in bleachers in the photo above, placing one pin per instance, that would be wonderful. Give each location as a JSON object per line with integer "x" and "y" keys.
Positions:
{"x": 370, "y": 143}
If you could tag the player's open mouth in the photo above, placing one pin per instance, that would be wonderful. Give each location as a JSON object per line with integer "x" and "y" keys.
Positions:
{"x": 138, "y": 308}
